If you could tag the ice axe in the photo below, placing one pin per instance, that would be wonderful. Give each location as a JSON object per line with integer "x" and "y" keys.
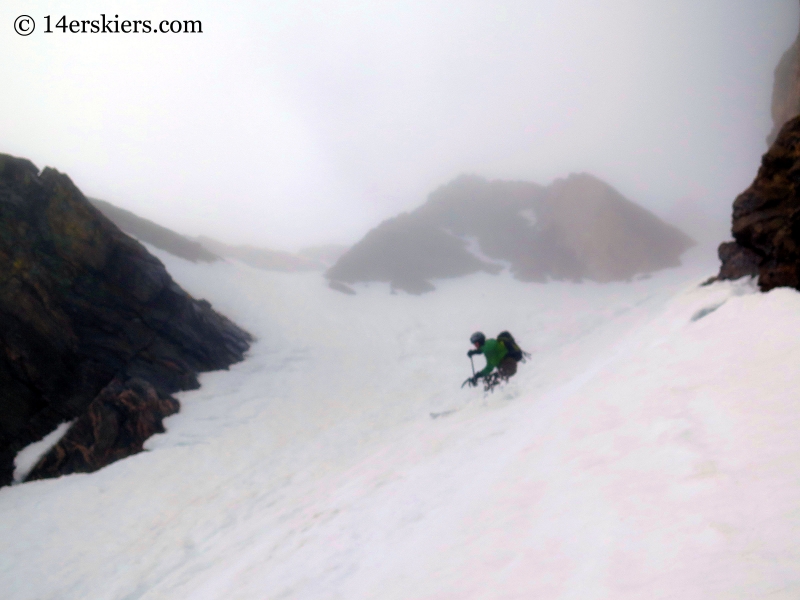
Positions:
{"x": 469, "y": 379}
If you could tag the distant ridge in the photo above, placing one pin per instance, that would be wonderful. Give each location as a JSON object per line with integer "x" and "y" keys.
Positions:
{"x": 577, "y": 228}
{"x": 325, "y": 255}
{"x": 206, "y": 249}
{"x": 262, "y": 258}
{"x": 152, "y": 233}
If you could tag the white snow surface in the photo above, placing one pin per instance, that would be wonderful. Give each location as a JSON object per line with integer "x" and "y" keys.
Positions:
{"x": 27, "y": 458}
{"x": 638, "y": 454}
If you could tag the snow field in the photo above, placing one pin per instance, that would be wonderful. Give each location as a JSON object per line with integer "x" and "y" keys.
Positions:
{"x": 640, "y": 453}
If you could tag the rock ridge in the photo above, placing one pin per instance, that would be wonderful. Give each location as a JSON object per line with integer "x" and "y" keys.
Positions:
{"x": 153, "y": 233}
{"x": 766, "y": 219}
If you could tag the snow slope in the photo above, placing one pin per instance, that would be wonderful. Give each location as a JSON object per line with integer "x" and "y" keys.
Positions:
{"x": 650, "y": 449}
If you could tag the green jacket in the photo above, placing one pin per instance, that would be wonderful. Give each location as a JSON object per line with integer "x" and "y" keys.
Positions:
{"x": 494, "y": 352}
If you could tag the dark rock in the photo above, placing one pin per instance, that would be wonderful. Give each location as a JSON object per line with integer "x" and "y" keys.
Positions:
{"x": 737, "y": 261}
{"x": 115, "y": 425}
{"x": 766, "y": 218}
{"x": 578, "y": 228}
{"x": 152, "y": 233}
{"x": 81, "y": 304}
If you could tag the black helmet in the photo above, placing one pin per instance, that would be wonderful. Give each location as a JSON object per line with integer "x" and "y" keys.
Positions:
{"x": 477, "y": 338}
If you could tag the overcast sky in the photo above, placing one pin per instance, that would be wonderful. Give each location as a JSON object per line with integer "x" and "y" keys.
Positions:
{"x": 286, "y": 124}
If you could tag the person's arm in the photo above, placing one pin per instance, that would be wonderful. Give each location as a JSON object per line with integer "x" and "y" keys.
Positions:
{"x": 494, "y": 352}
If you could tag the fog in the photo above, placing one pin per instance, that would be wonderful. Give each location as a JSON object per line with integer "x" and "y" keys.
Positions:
{"x": 286, "y": 124}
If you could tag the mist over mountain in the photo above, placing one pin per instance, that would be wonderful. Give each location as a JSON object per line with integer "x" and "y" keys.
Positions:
{"x": 326, "y": 254}
{"x": 153, "y": 233}
{"x": 207, "y": 249}
{"x": 786, "y": 90}
{"x": 262, "y": 258}
{"x": 577, "y": 228}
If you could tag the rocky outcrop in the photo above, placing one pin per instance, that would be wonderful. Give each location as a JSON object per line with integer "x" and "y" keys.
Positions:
{"x": 737, "y": 261}
{"x": 786, "y": 90}
{"x": 115, "y": 425}
{"x": 152, "y": 233}
{"x": 577, "y": 228}
{"x": 766, "y": 219}
{"x": 81, "y": 305}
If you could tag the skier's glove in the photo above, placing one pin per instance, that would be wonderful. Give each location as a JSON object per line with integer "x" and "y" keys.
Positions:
{"x": 471, "y": 353}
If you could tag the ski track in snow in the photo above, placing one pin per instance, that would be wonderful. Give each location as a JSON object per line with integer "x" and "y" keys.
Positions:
{"x": 649, "y": 449}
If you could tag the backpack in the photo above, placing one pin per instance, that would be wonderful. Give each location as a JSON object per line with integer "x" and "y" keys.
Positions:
{"x": 514, "y": 351}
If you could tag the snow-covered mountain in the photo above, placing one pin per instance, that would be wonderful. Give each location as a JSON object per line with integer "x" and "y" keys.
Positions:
{"x": 576, "y": 228}
{"x": 649, "y": 449}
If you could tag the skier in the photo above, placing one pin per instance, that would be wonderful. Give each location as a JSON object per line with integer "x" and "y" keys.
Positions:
{"x": 501, "y": 353}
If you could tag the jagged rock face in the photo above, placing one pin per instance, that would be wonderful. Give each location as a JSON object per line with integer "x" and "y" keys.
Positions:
{"x": 115, "y": 425}
{"x": 766, "y": 219}
{"x": 786, "y": 90}
{"x": 577, "y": 228}
{"x": 81, "y": 304}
